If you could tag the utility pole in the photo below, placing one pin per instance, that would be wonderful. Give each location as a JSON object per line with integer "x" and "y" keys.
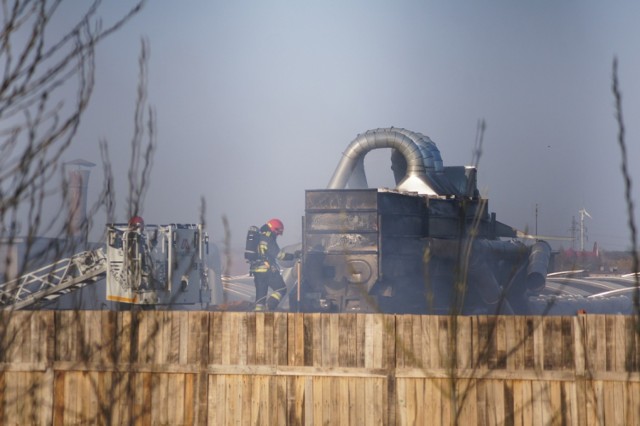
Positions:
{"x": 574, "y": 231}
{"x": 583, "y": 213}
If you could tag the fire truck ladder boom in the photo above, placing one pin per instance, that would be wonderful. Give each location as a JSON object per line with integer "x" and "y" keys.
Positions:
{"x": 54, "y": 280}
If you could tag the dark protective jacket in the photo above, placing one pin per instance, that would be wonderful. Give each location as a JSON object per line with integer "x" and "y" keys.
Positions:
{"x": 268, "y": 253}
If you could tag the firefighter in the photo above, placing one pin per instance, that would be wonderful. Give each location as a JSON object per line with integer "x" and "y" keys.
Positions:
{"x": 265, "y": 269}
{"x": 137, "y": 253}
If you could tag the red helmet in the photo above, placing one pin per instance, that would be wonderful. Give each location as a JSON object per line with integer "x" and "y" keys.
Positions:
{"x": 276, "y": 226}
{"x": 136, "y": 222}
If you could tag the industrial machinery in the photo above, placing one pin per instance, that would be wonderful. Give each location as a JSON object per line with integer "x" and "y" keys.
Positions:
{"x": 429, "y": 245}
{"x": 160, "y": 265}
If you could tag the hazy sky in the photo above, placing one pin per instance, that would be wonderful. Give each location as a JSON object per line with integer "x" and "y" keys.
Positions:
{"x": 256, "y": 101}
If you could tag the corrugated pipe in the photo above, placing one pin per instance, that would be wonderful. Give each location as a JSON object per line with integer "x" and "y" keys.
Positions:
{"x": 434, "y": 168}
{"x": 415, "y": 179}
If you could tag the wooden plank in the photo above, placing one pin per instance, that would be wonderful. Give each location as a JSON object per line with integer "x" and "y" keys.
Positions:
{"x": 620, "y": 343}
{"x": 466, "y": 403}
{"x": 171, "y": 336}
{"x": 416, "y": 350}
{"x": 403, "y": 340}
{"x": 407, "y": 407}
{"x": 361, "y": 341}
{"x": 217, "y": 400}
{"x": 348, "y": 340}
{"x": 234, "y": 399}
{"x": 512, "y": 342}
{"x": 280, "y": 338}
{"x": 501, "y": 342}
{"x": 568, "y": 340}
{"x": 487, "y": 341}
{"x": 273, "y": 403}
{"x": 507, "y": 386}
{"x": 538, "y": 343}
{"x": 355, "y": 413}
{"x": 631, "y": 359}
{"x": 381, "y": 407}
{"x": 123, "y": 338}
{"x": 421, "y": 416}
{"x": 255, "y": 400}
{"x": 295, "y": 327}
{"x": 328, "y": 396}
{"x": 231, "y": 323}
{"x": 3, "y": 392}
{"x": 318, "y": 398}
{"x": 250, "y": 336}
{"x": 495, "y": 399}
{"x": 518, "y": 403}
{"x": 245, "y": 344}
{"x": 438, "y": 397}
{"x": 579, "y": 344}
{"x": 334, "y": 340}
{"x": 325, "y": 345}
{"x": 444, "y": 346}
{"x": 62, "y": 341}
{"x": 602, "y": 343}
{"x": 427, "y": 341}
{"x": 142, "y": 348}
{"x": 189, "y": 339}
{"x": 529, "y": 344}
{"x": 551, "y": 351}
{"x": 610, "y": 339}
{"x": 537, "y": 402}
{"x": 389, "y": 342}
{"x": 58, "y": 398}
{"x": 634, "y": 403}
{"x": 527, "y": 403}
{"x": 190, "y": 400}
{"x": 295, "y": 399}
{"x": 280, "y": 396}
{"x": 449, "y": 401}
{"x": 370, "y": 403}
{"x": 308, "y": 332}
{"x": 464, "y": 342}
{"x": 619, "y": 401}
{"x": 608, "y": 403}
{"x": 369, "y": 341}
{"x": 556, "y": 403}
{"x": 215, "y": 337}
{"x": 93, "y": 395}
{"x": 176, "y": 394}
{"x": 267, "y": 338}
{"x": 343, "y": 401}
{"x": 591, "y": 343}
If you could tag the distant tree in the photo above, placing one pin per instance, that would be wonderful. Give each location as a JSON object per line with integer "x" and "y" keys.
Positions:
{"x": 38, "y": 119}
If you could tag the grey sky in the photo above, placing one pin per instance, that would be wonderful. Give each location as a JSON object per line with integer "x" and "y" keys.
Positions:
{"x": 256, "y": 100}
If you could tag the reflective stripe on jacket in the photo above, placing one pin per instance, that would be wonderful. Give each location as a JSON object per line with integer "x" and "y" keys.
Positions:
{"x": 269, "y": 253}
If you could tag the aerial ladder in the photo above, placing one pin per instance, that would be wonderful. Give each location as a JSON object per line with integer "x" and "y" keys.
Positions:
{"x": 54, "y": 280}
{"x": 157, "y": 265}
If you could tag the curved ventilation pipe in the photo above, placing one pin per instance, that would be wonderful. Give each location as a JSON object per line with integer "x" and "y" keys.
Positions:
{"x": 415, "y": 179}
{"x": 431, "y": 157}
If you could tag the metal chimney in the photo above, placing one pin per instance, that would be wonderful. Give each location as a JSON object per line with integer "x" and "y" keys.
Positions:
{"x": 77, "y": 180}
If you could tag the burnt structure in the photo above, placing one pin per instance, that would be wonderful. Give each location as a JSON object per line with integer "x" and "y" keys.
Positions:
{"x": 429, "y": 245}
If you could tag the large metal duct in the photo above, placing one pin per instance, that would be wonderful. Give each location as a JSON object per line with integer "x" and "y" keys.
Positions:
{"x": 431, "y": 157}
{"x": 415, "y": 179}
{"x": 430, "y": 152}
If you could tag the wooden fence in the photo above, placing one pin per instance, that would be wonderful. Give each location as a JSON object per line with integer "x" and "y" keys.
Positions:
{"x": 159, "y": 367}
